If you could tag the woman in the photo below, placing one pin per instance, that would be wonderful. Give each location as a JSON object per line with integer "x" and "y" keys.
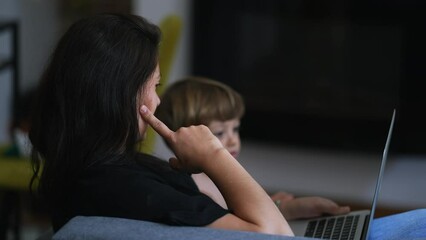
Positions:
{"x": 96, "y": 99}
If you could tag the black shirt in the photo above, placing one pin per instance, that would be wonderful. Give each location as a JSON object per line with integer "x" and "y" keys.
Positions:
{"x": 146, "y": 189}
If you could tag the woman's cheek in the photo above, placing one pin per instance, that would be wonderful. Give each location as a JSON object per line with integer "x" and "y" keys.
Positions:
{"x": 142, "y": 126}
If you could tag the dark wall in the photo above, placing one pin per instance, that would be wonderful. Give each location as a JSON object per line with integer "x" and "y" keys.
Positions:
{"x": 319, "y": 73}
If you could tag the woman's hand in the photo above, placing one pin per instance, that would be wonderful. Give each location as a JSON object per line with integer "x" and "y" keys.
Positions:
{"x": 308, "y": 207}
{"x": 193, "y": 146}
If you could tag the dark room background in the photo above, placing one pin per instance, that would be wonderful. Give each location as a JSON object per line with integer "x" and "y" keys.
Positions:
{"x": 320, "y": 74}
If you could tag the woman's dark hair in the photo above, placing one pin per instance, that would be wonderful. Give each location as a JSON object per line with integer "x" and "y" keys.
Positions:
{"x": 87, "y": 102}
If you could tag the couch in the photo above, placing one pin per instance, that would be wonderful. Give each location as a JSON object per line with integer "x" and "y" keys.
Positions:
{"x": 118, "y": 228}
{"x": 407, "y": 225}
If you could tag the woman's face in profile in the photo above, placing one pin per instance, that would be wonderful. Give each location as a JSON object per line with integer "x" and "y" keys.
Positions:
{"x": 148, "y": 96}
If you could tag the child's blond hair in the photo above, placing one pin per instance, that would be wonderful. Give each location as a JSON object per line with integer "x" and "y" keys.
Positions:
{"x": 198, "y": 100}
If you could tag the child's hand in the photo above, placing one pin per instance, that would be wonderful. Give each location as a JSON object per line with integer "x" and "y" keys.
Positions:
{"x": 281, "y": 198}
{"x": 308, "y": 207}
{"x": 193, "y": 146}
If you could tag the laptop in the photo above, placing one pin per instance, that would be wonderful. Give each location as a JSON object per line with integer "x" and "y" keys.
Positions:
{"x": 354, "y": 225}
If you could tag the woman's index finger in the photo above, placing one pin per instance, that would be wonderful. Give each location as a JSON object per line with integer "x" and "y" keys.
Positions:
{"x": 156, "y": 123}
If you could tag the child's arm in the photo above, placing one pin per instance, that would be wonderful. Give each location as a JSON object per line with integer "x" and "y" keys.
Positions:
{"x": 309, "y": 207}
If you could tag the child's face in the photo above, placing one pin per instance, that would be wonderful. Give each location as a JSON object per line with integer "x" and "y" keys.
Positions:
{"x": 228, "y": 133}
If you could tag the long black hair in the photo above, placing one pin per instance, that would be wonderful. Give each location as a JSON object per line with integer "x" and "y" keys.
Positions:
{"x": 87, "y": 103}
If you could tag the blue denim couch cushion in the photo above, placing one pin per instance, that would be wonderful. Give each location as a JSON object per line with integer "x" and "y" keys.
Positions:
{"x": 118, "y": 228}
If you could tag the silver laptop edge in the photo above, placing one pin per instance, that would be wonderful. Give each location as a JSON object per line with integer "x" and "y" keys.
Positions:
{"x": 366, "y": 216}
{"x": 381, "y": 173}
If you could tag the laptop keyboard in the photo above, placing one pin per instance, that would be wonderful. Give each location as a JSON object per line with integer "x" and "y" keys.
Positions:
{"x": 333, "y": 228}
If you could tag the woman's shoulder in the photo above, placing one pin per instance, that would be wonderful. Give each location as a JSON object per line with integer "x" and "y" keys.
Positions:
{"x": 135, "y": 162}
{"x": 150, "y": 161}
{"x": 163, "y": 169}
{"x": 140, "y": 168}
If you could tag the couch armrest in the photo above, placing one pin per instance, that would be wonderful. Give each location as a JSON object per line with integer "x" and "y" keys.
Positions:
{"x": 118, "y": 228}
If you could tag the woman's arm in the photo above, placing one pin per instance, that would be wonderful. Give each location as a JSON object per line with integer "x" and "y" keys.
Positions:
{"x": 206, "y": 186}
{"x": 290, "y": 206}
{"x": 198, "y": 150}
{"x": 253, "y": 209}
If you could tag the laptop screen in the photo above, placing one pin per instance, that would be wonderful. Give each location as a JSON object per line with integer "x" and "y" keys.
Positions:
{"x": 381, "y": 173}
